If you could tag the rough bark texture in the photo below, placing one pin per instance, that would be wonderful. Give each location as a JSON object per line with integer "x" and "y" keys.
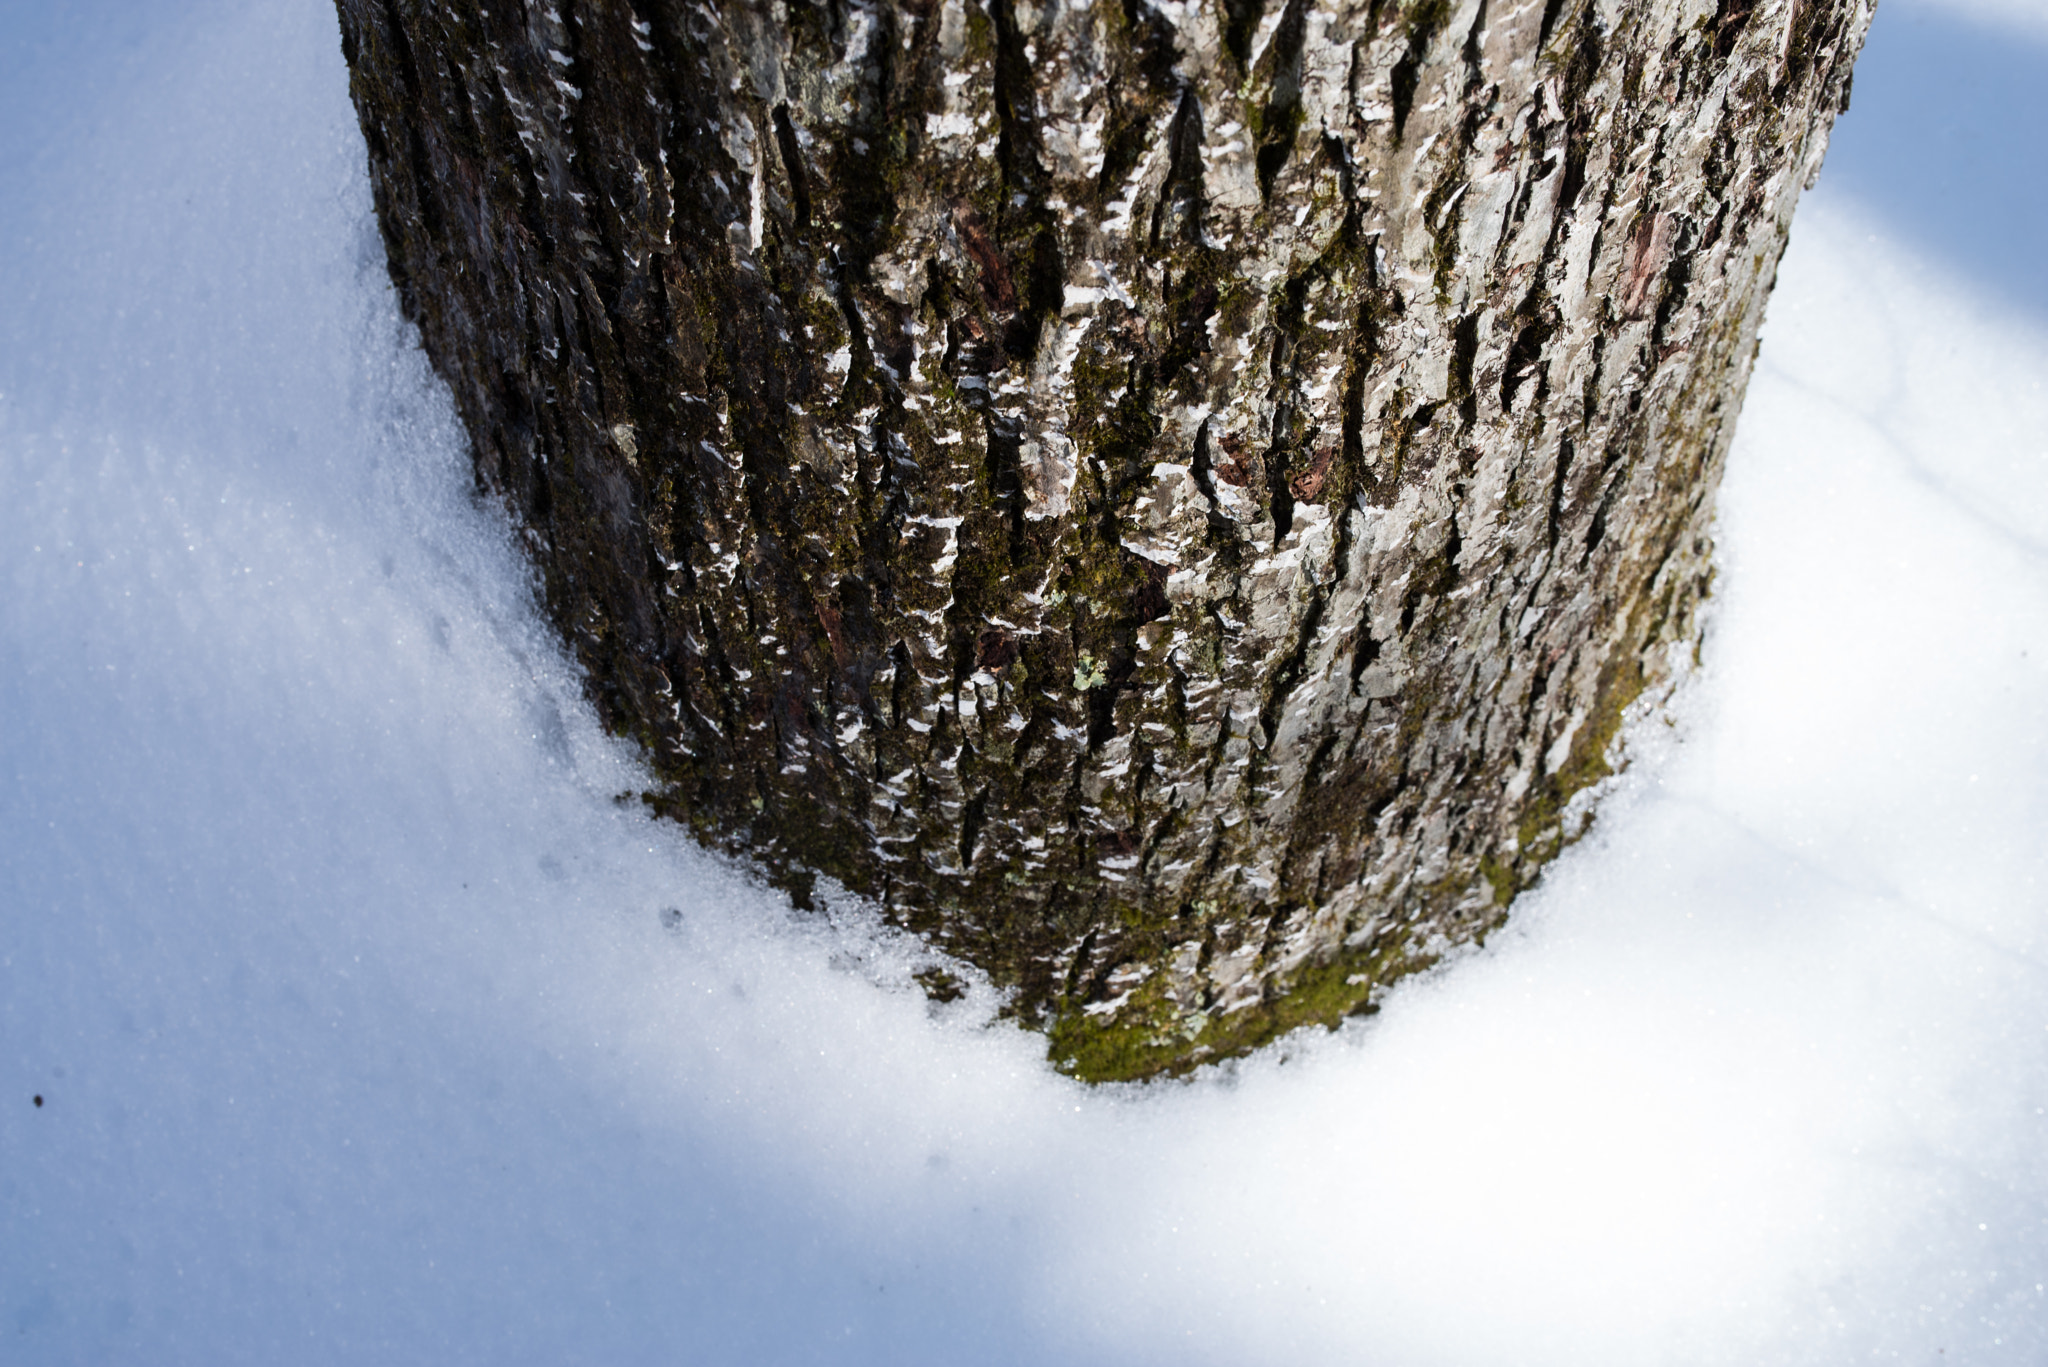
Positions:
{"x": 1173, "y": 499}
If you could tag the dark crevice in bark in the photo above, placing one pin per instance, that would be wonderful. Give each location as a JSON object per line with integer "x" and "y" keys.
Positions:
{"x": 1280, "y": 120}
{"x": 970, "y": 826}
{"x": 1435, "y": 578}
{"x": 1464, "y": 352}
{"x": 1240, "y": 22}
{"x": 793, "y": 165}
{"x": 1557, "y": 487}
{"x": 1424, "y": 21}
{"x": 1581, "y": 66}
{"x": 1365, "y": 653}
{"x": 1536, "y": 321}
{"x": 1730, "y": 18}
{"x": 1551, "y": 10}
{"x": 1177, "y": 214}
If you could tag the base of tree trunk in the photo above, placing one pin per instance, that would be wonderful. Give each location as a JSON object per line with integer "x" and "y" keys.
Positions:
{"x": 1172, "y": 500}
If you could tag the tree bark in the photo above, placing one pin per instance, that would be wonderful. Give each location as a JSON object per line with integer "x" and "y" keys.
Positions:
{"x": 1172, "y": 499}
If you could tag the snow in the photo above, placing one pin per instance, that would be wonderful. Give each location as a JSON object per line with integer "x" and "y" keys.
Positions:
{"x": 369, "y": 1027}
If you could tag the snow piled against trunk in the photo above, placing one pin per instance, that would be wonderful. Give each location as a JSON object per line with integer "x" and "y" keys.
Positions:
{"x": 368, "y": 1025}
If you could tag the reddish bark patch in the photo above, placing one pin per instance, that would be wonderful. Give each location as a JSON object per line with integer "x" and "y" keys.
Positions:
{"x": 1309, "y": 483}
{"x": 995, "y": 275}
{"x": 996, "y": 649}
{"x": 829, "y": 618}
{"x": 1649, "y": 251}
{"x": 1235, "y": 469}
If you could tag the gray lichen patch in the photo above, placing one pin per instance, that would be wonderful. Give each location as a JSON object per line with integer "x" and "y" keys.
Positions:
{"x": 1173, "y": 501}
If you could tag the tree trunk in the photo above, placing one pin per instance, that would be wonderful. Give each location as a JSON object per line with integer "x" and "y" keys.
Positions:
{"x": 1172, "y": 499}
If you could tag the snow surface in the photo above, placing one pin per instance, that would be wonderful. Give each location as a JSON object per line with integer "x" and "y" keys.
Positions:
{"x": 369, "y": 1028}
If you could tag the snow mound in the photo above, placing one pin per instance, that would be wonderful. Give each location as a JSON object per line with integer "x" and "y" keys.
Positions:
{"x": 346, "y": 1015}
